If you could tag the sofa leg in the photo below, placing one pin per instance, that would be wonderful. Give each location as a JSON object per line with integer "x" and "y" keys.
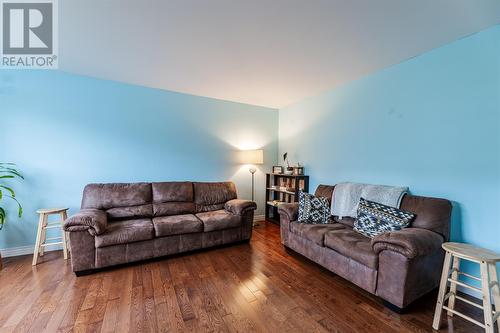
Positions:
{"x": 83, "y": 273}
{"x": 288, "y": 250}
{"x": 393, "y": 307}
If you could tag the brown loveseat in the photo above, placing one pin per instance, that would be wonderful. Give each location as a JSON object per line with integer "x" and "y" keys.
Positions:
{"x": 398, "y": 266}
{"x": 122, "y": 223}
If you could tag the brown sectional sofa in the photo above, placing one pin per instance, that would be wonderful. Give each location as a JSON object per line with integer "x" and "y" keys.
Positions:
{"x": 399, "y": 266}
{"x": 122, "y": 223}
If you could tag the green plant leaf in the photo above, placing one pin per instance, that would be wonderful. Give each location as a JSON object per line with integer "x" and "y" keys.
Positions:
{"x": 12, "y": 193}
{"x": 19, "y": 207}
{"x": 11, "y": 171}
{"x": 9, "y": 168}
{"x": 2, "y": 217}
{"x": 5, "y": 167}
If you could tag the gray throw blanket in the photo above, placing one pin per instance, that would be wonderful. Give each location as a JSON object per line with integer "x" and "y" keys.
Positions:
{"x": 345, "y": 197}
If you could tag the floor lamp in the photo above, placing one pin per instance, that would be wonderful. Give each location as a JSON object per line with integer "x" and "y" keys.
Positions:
{"x": 252, "y": 157}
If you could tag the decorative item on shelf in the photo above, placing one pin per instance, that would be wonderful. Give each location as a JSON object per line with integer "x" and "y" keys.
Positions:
{"x": 277, "y": 169}
{"x": 252, "y": 157}
{"x": 289, "y": 169}
{"x": 275, "y": 203}
{"x": 298, "y": 170}
{"x": 8, "y": 171}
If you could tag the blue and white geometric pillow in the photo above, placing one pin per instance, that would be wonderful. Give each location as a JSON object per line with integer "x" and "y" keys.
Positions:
{"x": 313, "y": 210}
{"x": 374, "y": 218}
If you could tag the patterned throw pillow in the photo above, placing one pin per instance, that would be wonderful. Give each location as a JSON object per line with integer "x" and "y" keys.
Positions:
{"x": 313, "y": 210}
{"x": 374, "y": 218}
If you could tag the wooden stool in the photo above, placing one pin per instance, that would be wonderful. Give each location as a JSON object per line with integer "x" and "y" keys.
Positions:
{"x": 489, "y": 281}
{"x": 41, "y": 240}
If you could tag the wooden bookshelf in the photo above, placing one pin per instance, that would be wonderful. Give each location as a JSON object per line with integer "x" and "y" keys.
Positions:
{"x": 282, "y": 188}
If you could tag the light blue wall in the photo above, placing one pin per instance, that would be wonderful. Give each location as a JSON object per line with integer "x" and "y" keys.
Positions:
{"x": 65, "y": 131}
{"x": 432, "y": 123}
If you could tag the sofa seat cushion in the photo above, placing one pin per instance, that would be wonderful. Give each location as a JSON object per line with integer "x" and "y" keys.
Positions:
{"x": 176, "y": 225}
{"x": 352, "y": 245}
{"x": 127, "y": 231}
{"x": 219, "y": 220}
{"x": 314, "y": 232}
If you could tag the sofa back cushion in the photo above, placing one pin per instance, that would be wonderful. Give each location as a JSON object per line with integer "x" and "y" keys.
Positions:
{"x": 135, "y": 200}
{"x": 119, "y": 200}
{"x": 431, "y": 213}
{"x": 213, "y": 196}
{"x": 173, "y": 198}
{"x": 325, "y": 191}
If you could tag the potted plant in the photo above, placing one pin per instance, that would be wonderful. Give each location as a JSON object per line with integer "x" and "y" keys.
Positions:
{"x": 8, "y": 171}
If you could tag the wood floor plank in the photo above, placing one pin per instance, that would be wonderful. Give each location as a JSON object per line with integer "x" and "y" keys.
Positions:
{"x": 254, "y": 287}
{"x": 125, "y": 303}
{"x": 67, "y": 302}
{"x": 174, "y": 314}
{"x": 101, "y": 300}
{"x": 109, "y": 321}
{"x": 184, "y": 303}
{"x": 137, "y": 318}
{"x": 160, "y": 305}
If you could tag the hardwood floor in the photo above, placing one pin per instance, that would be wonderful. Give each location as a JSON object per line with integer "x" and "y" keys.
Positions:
{"x": 255, "y": 287}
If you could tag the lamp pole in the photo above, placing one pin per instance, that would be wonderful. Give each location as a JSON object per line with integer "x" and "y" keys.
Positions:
{"x": 252, "y": 158}
{"x": 252, "y": 171}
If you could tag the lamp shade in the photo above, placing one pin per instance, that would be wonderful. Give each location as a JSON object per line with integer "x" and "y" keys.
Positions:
{"x": 251, "y": 156}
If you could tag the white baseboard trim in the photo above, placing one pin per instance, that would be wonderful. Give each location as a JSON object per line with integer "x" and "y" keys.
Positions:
{"x": 259, "y": 217}
{"x": 24, "y": 250}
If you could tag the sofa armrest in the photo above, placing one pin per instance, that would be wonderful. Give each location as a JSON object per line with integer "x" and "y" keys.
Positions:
{"x": 291, "y": 210}
{"x": 93, "y": 220}
{"x": 410, "y": 242}
{"x": 239, "y": 206}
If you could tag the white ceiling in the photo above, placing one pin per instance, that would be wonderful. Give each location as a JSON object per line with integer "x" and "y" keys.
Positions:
{"x": 262, "y": 52}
